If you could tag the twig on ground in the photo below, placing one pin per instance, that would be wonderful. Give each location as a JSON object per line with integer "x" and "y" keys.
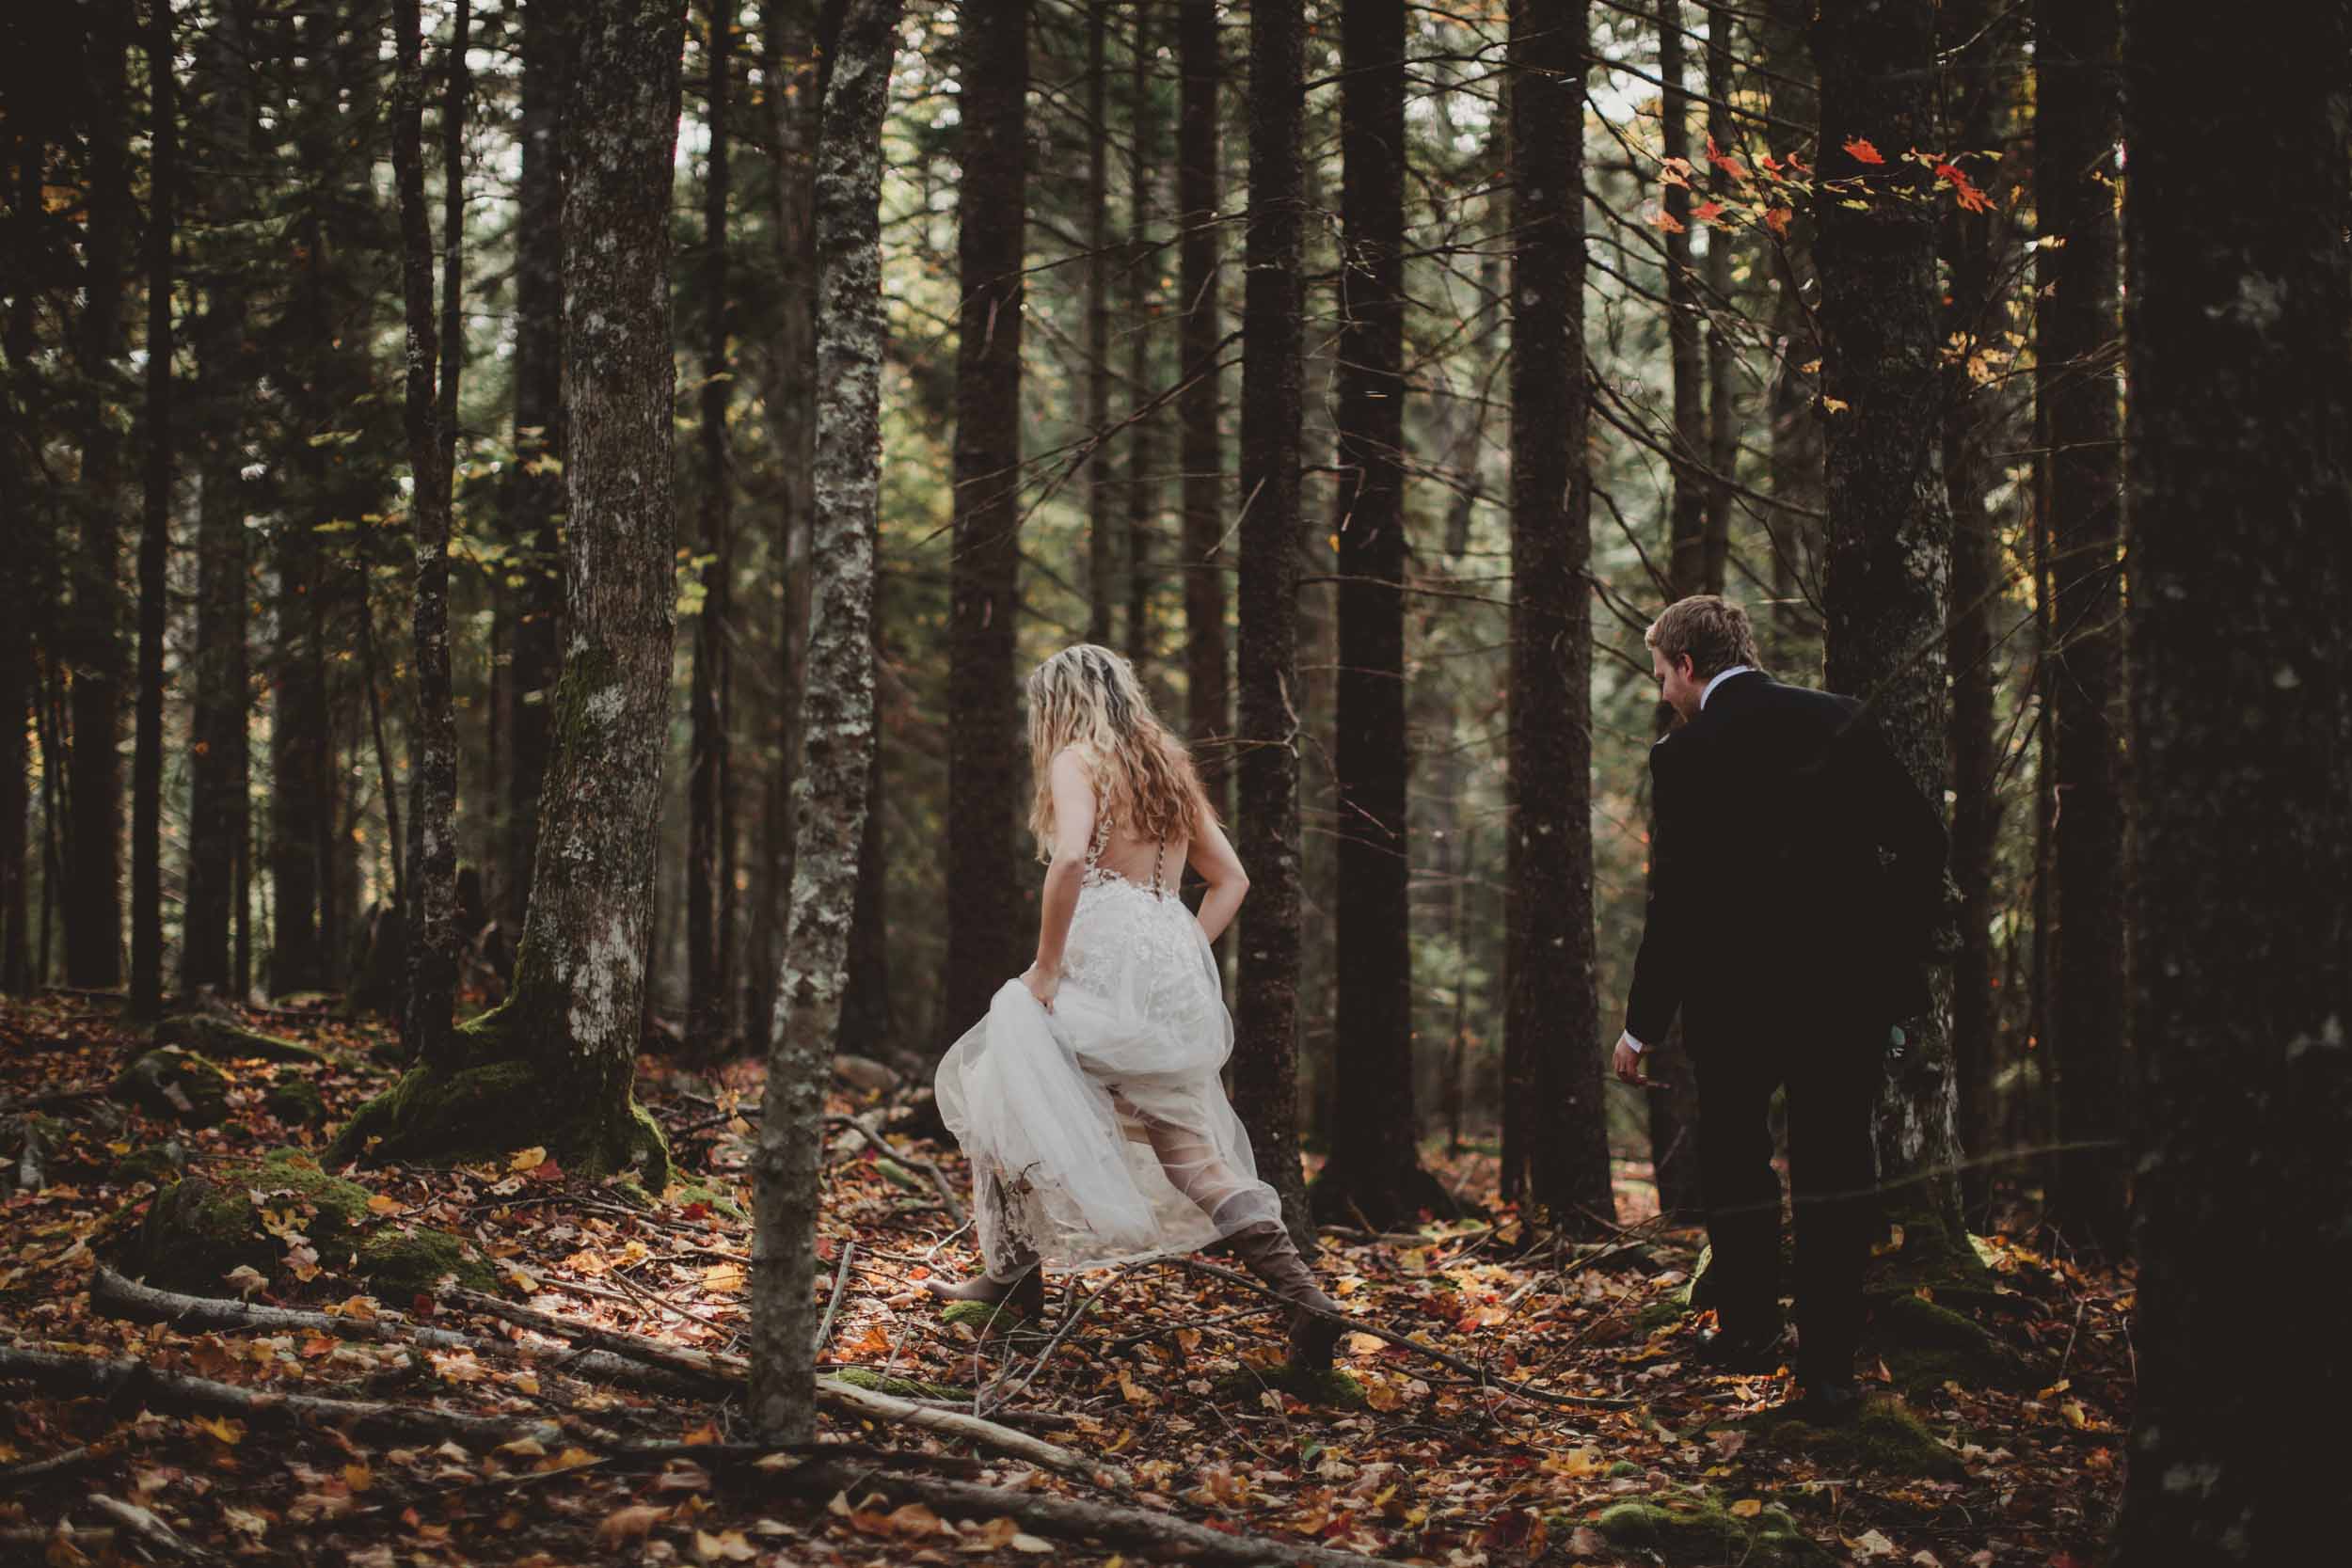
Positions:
{"x": 882, "y": 1146}
{"x": 148, "y": 1528}
{"x": 833, "y": 1307}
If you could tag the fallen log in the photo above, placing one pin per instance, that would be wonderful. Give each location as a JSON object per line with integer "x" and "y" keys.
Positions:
{"x": 1126, "y": 1529}
{"x": 981, "y": 1432}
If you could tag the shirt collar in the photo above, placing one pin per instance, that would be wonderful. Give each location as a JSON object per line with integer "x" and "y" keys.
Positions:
{"x": 1719, "y": 676}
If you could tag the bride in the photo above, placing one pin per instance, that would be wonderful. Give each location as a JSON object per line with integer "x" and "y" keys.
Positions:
{"x": 1088, "y": 1100}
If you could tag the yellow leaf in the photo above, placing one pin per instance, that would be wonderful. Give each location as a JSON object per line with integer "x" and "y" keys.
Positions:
{"x": 228, "y": 1430}
{"x": 1838, "y": 405}
{"x": 359, "y": 1477}
{"x": 1747, "y": 1508}
{"x": 384, "y": 1203}
{"x": 527, "y": 1159}
{"x": 724, "y": 1276}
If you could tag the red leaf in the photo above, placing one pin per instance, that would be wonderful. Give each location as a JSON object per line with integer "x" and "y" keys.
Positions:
{"x": 1725, "y": 161}
{"x": 1777, "y": 220}
{"x": 1707, "y": 212}
{"x": 1862, "y": 152}
{"x": 1666, "y": 220}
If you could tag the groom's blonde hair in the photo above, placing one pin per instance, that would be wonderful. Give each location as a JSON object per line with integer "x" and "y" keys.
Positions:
{"x": 1710, "y": 628}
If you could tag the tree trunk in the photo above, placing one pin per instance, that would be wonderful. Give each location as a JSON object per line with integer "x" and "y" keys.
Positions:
{"x": 431, "y": 928}
{"x": 94, "y": 840}
{"x": 1890, "y": 521}
{"x": 1973, "y": 322}
{"x": 1555, "y": 1126}
{"x": 535, "y": 496}
{"x": 1102, "y": 544}
{"x": 552, "y": 1064}
{"x": 1266, "y": 1002}
{"x": 1374, "y": 1168}
{"x": 2078, "y": 121}
{"x": 1143, "y": 449}
{"x": 1208, "y": 688}
{"x": 986, "y": 935}
{"x": 709, "y": 984}
{"x": 2240, "y": 318}
{"x": 147, "y": 772}
{"x": 837, "y": 729}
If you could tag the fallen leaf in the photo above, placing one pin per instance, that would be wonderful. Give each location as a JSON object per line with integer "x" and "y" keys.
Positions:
{"x": 1747, "y": 1508}
{"x": 527, "y": 1159}
{"x": 633, "y": 1523}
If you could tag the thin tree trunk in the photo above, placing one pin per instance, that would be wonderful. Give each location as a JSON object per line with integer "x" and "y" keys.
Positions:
{"x": 1374, "y": 1168}
{"x": 837, "y": 725}
{"x": 1266, "y": 1002}
{"x": 708, "y": 983}
{"x": 1143, "y": 450}
{"x": 536, "y": 494}
{"x": 94, "y": 840}
{"x": 553, "y": 1064}
{"x": 147, "y": 770}
{"x": 2078, "y": 125}
{"x": 1555, "y": 1125}
{"x": 1208, "y": 687}
{"x": 432, "y": 931}
{"x": 1102, "y": 543}
{"x": 1972, "y": 320}
{"x": 1889, "y": 519}
{"x": 985, "y": 756}
{"x": 2241, "y": 393}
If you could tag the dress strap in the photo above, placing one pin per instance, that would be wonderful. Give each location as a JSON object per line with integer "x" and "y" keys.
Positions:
{"x": 1159, "y": 854}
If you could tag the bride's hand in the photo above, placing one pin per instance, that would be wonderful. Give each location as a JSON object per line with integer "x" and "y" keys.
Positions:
{"x": 1042, "y": 985}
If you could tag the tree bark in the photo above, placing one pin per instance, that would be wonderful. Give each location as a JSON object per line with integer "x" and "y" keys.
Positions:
{"x": 1143, "y": 447}
{"x": 553, "y": 1064}
{"x": 2079, "y": 122}
{"x": 432, "y": 929}
{"x": 709, "y": 909}
{"x": 1266, "y": 1003}
{"x": 1374, "y": 1168}
{"x": 94, "y": 840}
{"x": 1209, "y": 693}
{"x": 1555, "y": 1126}
{"x": 1102, "y": 543}
{"x": 535, "y": 496}
{"x": 147, "y": 770}
{"x": 985, "y": 757}
{"x": 837, "y": 729}
{"x": 1889, "y": 559}
{"x": 2240, "y": 357}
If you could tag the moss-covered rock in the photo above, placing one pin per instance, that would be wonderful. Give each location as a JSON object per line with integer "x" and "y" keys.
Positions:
{"x": 1884, "y": 1437}
{"x": 159, "y": 1164}
{"x": 1328, "y": 1387}
{"x": 196, "y": 1234}
{"x": 500, "y": 1101}
{"x": 398, "y": 1264}
{"x": 295, "y": 1101}
{"x": 903, "y": 1388}
{"x": 333, "y": 1209}
{"x": 209, "y": 1034}
{"x": 169, "y": 1082}
{"x": 1925, "y": 1345}
{"x": 1703, "y": 1529}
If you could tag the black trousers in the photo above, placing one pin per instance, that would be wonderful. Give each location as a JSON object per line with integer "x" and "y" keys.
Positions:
{"x": 1832, "y": 1074}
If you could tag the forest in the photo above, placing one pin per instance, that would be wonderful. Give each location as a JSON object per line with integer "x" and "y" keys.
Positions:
{"x": 526, "y": 523}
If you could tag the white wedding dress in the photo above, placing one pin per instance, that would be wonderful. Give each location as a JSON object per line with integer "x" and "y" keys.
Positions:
{"x": 1099, "y": 1133}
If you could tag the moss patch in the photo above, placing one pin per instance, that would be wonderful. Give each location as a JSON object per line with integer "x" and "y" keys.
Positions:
{"x": 169, "y": 1082}
{"x": 1885, "y": 1437}
{"x": 208, "y": 1036}
{"x": 982, "y": 1315}
{"x": 196, "y": 1234}
{"x": 1703, "y": 1529}
{"x": 295, "y": 1101}
{"x": 1327, "y": 1388}
{"x": 903, "y": 1388}
{"x": 159, "y": 1164}
{"x": 399, "y": 1265}
{"x": 334, "y": 1208}
{"x": 1925, "y": 1345}
{"x": 681, "y": 1195}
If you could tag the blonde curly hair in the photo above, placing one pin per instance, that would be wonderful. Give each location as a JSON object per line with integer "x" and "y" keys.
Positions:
{"x": 1086, "y": 699}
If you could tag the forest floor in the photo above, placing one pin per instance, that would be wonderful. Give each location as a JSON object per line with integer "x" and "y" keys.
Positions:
{"x": 1620, "y": 1449}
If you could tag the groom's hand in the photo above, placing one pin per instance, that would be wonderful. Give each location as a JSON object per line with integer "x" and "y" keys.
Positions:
{"x": 1627, "y": 1062}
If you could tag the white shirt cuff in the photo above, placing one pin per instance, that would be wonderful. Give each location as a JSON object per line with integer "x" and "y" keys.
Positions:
{"x": 1627, "y": 1038}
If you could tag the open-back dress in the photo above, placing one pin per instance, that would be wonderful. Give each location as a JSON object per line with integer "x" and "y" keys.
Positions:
{"x": 1099, "y": 1133}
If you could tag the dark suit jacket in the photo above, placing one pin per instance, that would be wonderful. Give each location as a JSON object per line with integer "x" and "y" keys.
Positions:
{"x": 1796, "y": 876}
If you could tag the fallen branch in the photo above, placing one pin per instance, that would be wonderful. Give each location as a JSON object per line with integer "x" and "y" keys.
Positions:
{"x": 1126, "y": 1529}
{"x": 41, "y": 1469}
{"x": 708, "y": 1367}
{"x": 972, "y": 1428}
{"x": 148, "y": 1528}
{"x": 833, "y": 1307}
{"x": 112, "y": 1294}
{"x": 881, "y": 1146}
{"x": 1419, "y": 1347}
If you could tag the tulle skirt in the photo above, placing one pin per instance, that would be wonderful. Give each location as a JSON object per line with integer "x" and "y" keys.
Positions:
{"x": 1100, "y": 1133}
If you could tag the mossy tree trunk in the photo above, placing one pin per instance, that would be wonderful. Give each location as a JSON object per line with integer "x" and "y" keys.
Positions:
{"x": 837, "y": 730}
{"x": 2239, "y": 329}
{"x": 1889, "y": 557}
{"x": 1556, "y": 1144}
{"x": 552, "y": 1066}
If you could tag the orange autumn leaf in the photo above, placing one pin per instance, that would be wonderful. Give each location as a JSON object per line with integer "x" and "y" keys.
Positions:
{"x": 1862, "y": 152}
{"x": 1777, "y": 220}
{"x": 1667, "y": 221}
{"x": 1723, "y": 160}
{"x": 1707, "y": 212}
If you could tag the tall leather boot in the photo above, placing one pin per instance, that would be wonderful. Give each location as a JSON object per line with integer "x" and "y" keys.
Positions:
{"x": 1266, "y": 1249}
{"x": 1021, "y": 1282}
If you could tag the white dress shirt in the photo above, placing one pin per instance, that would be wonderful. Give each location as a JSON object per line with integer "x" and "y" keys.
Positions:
{"x": 1708, "y": 690}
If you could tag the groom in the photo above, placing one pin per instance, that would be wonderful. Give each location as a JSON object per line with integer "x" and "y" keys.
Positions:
{"x": 1796, "y": 876}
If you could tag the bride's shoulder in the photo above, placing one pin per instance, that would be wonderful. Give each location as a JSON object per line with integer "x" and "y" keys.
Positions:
{"x": 1071, "y": 765}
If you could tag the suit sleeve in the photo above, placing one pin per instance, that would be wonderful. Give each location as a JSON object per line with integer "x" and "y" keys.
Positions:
{"x": 1658, "y": 966}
